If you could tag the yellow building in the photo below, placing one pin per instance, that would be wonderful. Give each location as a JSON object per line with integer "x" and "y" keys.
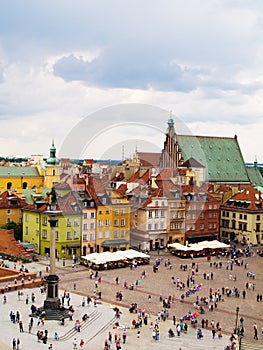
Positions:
{"x": 36, "y": 228}
{"x": 113, "y": 222}
{"x": 242, "y": 217}
{"x": 16, "y": 178}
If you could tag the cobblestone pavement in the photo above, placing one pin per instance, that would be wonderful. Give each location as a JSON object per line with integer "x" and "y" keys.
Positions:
{"x": 153, "y": 284}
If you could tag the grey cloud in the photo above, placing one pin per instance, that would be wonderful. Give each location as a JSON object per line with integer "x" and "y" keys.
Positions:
{"x": 141, "y": 74}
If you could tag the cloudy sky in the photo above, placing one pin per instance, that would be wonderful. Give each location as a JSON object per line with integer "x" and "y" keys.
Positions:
{"x": 63, "y": 62}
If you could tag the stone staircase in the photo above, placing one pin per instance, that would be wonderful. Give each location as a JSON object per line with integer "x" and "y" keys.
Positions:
{"x": 9, "y": 245}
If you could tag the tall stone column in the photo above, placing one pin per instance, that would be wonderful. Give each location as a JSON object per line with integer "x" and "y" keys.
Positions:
{"x": 52, "y": 301}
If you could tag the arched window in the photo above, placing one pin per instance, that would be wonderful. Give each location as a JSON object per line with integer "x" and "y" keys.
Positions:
{"x": 24, "y": 185}
{"x": 9, "y": 185}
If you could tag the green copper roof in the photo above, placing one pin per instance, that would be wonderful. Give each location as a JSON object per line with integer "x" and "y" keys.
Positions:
{"x": 255, "y": 176}
{"x": 221, "y": 156}
{"x": 14, "y": 171}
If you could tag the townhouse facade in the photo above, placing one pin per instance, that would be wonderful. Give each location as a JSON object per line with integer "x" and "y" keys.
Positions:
{"x": 36, "y": 228}
{"x": 242, "y": 217}
{"x": 11, "y": 208}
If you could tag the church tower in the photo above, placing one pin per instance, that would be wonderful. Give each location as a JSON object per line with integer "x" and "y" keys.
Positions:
{"x": 53, "y": 169}
{"x": 171, "y": 156}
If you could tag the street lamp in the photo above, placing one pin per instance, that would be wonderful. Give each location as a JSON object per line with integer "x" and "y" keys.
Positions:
{"x": 237, "y": 311}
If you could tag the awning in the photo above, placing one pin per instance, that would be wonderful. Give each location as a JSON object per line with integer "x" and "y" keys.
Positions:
{"x": 73, "y": 245}
{"x": 204, "y": 237}
{"x": 114, "y": 243}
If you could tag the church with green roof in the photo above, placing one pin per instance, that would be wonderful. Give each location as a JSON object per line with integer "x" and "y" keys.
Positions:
{"x": 220, "y": 156}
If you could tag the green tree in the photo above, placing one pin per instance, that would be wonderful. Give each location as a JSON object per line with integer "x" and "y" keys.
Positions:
{"x": 17, "y": 229}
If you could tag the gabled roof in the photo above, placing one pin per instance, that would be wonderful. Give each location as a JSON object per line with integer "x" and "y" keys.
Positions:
{"x": 221, "y": 156}
{"x": 149, "y": 159}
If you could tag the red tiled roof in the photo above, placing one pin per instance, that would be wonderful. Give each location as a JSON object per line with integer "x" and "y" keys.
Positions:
{"x": 251, "y": 195}
{"x": 11, "y": 200}
{"x": 122, "y": 189}
{"x": 149, "y": 158}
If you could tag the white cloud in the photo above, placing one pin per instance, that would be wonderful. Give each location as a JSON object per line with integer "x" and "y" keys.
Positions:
{"x": 61, "y": 62}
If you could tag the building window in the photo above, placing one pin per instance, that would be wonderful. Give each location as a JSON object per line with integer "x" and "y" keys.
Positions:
{"x": 76, "y": 235}
{"x": 84, "y": 237}
{"x": 193, "y": 227}
{"x": 202, "y": 226}
{"x": 76, "y": 222}
{"x": 44, "y": 221}
{"x": 107, "y": 211}
{"x": 92, "y": 215}
{"x": 116, "y": 222}
{"x": 8, "y": 220}
{"x": 56, "y": 235}
{"x": 92, "y": 225}
{"x": 188, "y": 227}
{"x": 37, "y": 232}
{"x": 100, "y": 212}
{"x": 123, "y": 211}
{"x": 115, "y": 234}
{"x": 258, "y": 217}
{"x": 85, "y": 227}
{"x": 37, "y": 220}
{"x": 245, "y": 216}
{"x": 20, "y": 220}
{"x": 122, "y": 233}
{"x": 100, "y": 234}
{"x": 44, "y": 234}
{"x": 68, "y": 222}
{"x": 69, "y": 235}
{"x": 156, "y": 203}
{"x": 150, "y": 214}
{"x": 162, "y": 213}
{"x": 100, "y": 223}
{"x": 156, "y": 226}
{"x": 149, "y": 227}
{"x": 92, "y": 237}
{"x": 107, "y": 234}
{"x": 8, "y": 211}
{"x": 116, "y": 212}
{"x": 156, "y": 213}
{"x": 107, "y": 223}
{"x": 85, "y": 215}
{"x": 122, "y": 222}
{"x": 240, "y": 216}
{"x": 234, "y": 215}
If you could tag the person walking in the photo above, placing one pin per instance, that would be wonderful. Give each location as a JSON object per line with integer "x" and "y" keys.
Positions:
{"x": 75, "y": 343}
{"x": 255, "y": 328}
{"x": 21, "y": 328}
{"x": 81, "y": 344}
{"x": 14, "y": 343}
{"x": 17, "y": 344}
